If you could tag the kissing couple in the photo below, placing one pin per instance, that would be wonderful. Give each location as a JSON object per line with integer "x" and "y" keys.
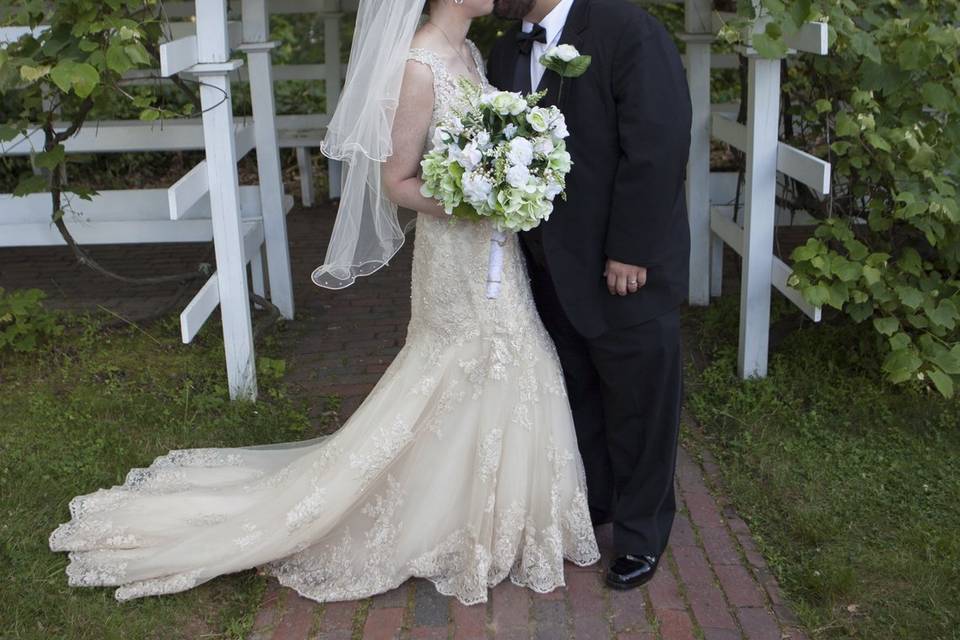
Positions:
{"x": 507, "y": 428}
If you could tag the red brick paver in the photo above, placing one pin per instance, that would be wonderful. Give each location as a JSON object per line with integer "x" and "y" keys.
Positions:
{"x": 713, "y": 583}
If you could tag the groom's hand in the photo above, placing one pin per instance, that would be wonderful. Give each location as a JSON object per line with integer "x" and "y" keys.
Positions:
{"x": 624, "y": 278}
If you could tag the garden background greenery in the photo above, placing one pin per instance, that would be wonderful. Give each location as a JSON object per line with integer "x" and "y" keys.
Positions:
{"x": 844, "y": 460}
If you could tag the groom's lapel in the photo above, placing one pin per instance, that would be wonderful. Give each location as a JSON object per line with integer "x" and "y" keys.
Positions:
{"x": 509, "y": 62}
{"x": 572, "y": 34}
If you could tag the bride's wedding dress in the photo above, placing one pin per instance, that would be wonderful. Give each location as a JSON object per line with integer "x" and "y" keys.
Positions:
{"x": 460, "y": 467}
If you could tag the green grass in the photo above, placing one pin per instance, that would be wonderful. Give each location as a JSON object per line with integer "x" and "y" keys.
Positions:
{"x": 76, "y": 416}
{"x": 852, "y": 485}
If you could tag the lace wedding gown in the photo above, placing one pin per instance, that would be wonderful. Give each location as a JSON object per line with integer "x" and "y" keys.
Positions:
{"x": 460, "y": 467}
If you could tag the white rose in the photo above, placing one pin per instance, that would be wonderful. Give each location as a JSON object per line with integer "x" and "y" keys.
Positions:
{"x": 544, "y": 146}
{"x": 553, "y": 189}
{"x": 441, "y": 138}
{"x": 558, "y": 128}
{"x": 470, "y": 156}
{"x": 565, "y": 52}
{"x": 482, "y": 139}
{"x": 510, "y": 130}
{"x": 507, "y": 103}
{"x": 518, "y": 176}
{"x": 520, "y": 152}
{"x": 559, "y": 160}
{"x": 539, "y": 119}
{"x": 476, "y": 187}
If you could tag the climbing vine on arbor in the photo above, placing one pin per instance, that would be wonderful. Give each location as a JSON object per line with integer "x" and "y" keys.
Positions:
{"x": 884, "y": 107}
{"x": 70, "y": 67}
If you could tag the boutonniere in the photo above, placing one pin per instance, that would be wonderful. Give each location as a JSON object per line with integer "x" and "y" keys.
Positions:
{"x": 566, "y": 62}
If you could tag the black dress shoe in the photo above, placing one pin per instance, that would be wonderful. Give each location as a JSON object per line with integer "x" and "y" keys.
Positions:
{"x": 629, "y": 571}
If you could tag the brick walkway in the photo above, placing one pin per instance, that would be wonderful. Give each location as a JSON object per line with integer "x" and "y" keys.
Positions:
{"x": 713, "y": 583}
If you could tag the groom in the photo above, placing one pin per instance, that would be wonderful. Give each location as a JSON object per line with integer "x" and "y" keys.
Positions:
{"x": 609, "y": 270}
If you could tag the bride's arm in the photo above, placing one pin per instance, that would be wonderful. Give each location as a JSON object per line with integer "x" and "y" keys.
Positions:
{"x": 410, "y": 126}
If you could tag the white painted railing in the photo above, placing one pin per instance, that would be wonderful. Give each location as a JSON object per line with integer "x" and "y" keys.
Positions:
{"x": 714, "y": 227}
{"x": 248, "y": 225}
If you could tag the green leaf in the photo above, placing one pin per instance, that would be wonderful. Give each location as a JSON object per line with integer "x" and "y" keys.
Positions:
{"x": 32, "y": 74}
{"x": 767, "y": 47}
{"x": 817, "y": 295}
{"x": 839, "y": 294}
{"x": 899, "y": 340}
{"x": 942, "y": 381}
{"x": 911, "y": 262}
{"x": 878, "y": 141}
{"x": 808, "y": 251}
{"x": 923, "y": 158}
{"x": 859, "y": 311}
{"x": 86, "y": 78}
{"x": 910, "y": 54}
{"x": 800, "y": 12}
{"x": 8, "y": 133}
{"x": 30, "y": 183}
{"x": 577, "y": 67}
{"x": 887, "y": 326}
{"x": 138, "y": 54}
{"x": 61, "y": 75}
{"x": 118, "y": 60}
{"x": 949, "y": 361}
{"x": 823, "y": 106}
{"x": 847, "y": 126}
{"x": 938, "y": 96}
{"x": 865, "y": 45}
{"x": 900, "y": 365}
{"x": 944, "y": 314}
{"x": 81, "y": 77}
{"x": 845, "y": 269}
{"x": 50, "y": 159}
{"x": 909, "y": 296}
{"x": 871, "y": 274}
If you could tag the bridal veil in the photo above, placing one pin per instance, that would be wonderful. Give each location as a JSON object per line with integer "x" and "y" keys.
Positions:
{"x": 366, "y": 234}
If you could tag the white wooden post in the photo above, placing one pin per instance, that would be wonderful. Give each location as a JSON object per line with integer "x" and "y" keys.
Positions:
{"x": 760, "y": 212}
{"x": 716, "y": 265}
{"x": 334, "y": 75}
{"x": 305, "y": 169}
{"x": 698, "y": 38}
{"x": 256, "y": 32}
{"x": 218, "y": 131}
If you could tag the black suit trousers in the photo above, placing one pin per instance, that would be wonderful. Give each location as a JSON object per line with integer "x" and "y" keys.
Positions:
{"x": 625, "y": 391}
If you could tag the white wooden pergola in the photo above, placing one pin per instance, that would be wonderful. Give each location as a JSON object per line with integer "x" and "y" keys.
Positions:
{"x": 248, "y": 225}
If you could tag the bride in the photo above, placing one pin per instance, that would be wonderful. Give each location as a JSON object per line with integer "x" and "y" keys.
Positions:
{"x": 461, "y": 466}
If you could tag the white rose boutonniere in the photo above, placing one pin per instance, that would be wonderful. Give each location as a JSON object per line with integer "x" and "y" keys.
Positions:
{"x": 566, "y": 62}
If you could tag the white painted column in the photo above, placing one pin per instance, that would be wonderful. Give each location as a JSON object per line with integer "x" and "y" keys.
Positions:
{"x": 698, "y": 165}
{"x": 761, "y": 183}
{"x": 305, "y": 167}
{"x": 333, "y": 66}
{"x": 716, "y": 265}
{"x": 219, "y": 141}
{"x": 256, "y": 31}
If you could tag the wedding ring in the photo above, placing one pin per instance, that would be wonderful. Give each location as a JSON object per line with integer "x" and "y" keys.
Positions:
{"x": 633, "y": 282}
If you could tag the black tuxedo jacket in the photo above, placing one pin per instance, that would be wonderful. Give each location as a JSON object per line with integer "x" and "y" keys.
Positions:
{"x": 629, "y": 118}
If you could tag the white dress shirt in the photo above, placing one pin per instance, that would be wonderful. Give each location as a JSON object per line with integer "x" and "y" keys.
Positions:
{"x": 553, "y": 23}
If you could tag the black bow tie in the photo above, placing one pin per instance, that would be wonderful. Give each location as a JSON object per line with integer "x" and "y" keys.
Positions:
{"x": 525, "y": 40}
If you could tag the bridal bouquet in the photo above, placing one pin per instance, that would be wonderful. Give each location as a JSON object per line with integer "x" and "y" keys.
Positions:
{"x": 501, "y": 158}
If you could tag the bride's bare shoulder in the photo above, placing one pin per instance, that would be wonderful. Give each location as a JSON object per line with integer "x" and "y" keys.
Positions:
{"x": 429, "y": 39}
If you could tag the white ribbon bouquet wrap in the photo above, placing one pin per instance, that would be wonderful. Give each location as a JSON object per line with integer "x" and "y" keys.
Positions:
{"x": 502, "y": 158}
